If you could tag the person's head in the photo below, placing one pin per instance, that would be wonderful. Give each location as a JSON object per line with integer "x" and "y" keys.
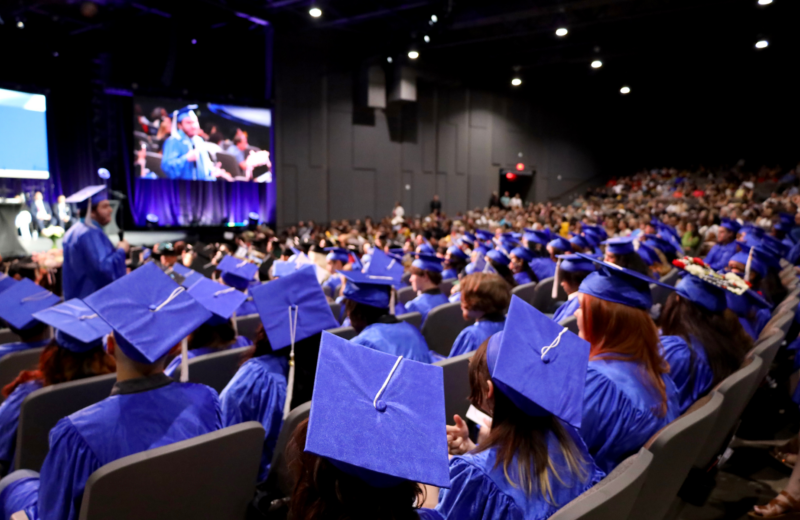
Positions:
{"x": 101, "y": 212}
{"x": 189, "y": 123}
{"x": 362, "y": 315}
{"x": 241, "y": 142}
{"x": 61, "y": 199}
{"x": 333, "y": 265}
{"x": 505, "y": 194}
{"x": 629, "y": 260}
{"x": 572, "y": 270}
{"x": 435, "y": 197}
{"x": 725, "y": 235}
{"x": 215, "y": 334}
{"x": 424, "y": 279}
{"x": 38, "y": 196}
{"x": 484, "y": 295}
{"x": 127, "y": 365}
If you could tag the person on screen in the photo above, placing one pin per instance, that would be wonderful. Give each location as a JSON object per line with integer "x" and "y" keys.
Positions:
{"x": 185, "y": 156}
{"x": 41, "y": 211}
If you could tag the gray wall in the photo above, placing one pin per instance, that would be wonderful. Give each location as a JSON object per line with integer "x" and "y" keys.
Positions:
{"x": 335, "y": 161}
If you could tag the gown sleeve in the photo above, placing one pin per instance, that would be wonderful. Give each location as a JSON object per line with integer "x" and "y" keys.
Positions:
{"x": 9, "y": 420}
{"x": 21, "y": 495}
{"x": 464, "y": 343}
{"x": 473, "y": 495}
{"x": 104, "y": 267}
{"x": 173, "y": 160}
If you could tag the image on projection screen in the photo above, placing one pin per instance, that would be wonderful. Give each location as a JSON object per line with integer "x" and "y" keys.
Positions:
{"x": 23, "y": 135}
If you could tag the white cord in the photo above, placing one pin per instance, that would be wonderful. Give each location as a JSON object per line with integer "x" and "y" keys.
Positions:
{"x": 224, "y": 291}
{"x": 554, "y": 344}
{"x": 290, "y": 380}
{"x": 749, "y": 265}
{"x": 36, "y": 297}
{"x": 385, "y": 383}
{"x": 185, "y": 360}
{"x": 554, "y": 290}
{"x": 172, "y": 296}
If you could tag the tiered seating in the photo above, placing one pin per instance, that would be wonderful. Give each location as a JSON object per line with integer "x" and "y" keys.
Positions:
{"x": 442, "y": 326}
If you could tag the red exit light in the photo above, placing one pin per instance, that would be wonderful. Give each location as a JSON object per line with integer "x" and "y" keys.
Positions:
{"x": 511, "y": 176}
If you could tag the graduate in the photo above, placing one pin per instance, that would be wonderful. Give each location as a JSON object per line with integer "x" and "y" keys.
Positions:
{"x": 75, "y": 353}
{"x": 90, "y": 261}
{"x": 218, "y": 332}
{"x": 520, "y": 258}
{"x": 500, "y": 263}
{"x": 621, "y": 252}
{"x": 542, "y": 265}
{"x": 753, "y": 311}
{"x": 185, "y": 155}
{"x": 376, "y": 431}
{"x": 293, "y": 312}
{"x": 388, "y": 265}
{"x": 529, "y": 379}
{"x": 629, "y": 395}
{"x": 485, "y": 299}
{"x": 725, "y": 247}
{"x": 572, "y": 270}
{"x": 368, "y": 300}
{"x": 17, "y": 305}
{"x": 455, "y": 260}
{"x": 655, "y": 260}
{"x": 241, "y": 275}
{"x": 336, "y": 260}
{"x": 558, "y": 246}
{"x": 663, "y": 246}
{"x": 580, "y": 244}
{"x": 426, "y": 275}
{"x": 150, "y": 316}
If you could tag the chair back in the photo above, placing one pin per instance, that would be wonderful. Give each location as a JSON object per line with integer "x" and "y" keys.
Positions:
{"x": 23, "y": 223}
{"x": 525, "y": 291}
{"x": 674, "y": 449}
{"x": 442, "y": 326}
{"x": 344, "y": 332}
{"x": 456, "y": 385}
{"x": 6, "y": 336}
{"x": 406, "y": 294}
{"x": 210, "y": 476}
{"x": 229, "y": 164}
{"x": 542, "y": 298}
{"x": 571, "y": 323}
{"x": 42, "y": 409}
{"x": 279, "y": 472}
{"x": 659, "y": 294}
{"x": 216, "y": 369}
{"x": 781, "y": 321}
{"x": 414, "y": 318}
{"x": 15, "y": 362}
{"x": 247, "y": 326}
{"x": 447, "y": 285}
{"x": 767, "y": 349}
{"x": 152, "y": 162}
{"x": 612, "y": 497}
{"x": 671, "y": 278}
{"x": 788, "y": 303}
{"x": 336, "y": 309}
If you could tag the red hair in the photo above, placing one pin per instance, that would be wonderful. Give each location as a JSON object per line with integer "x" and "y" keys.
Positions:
{"x": 624, "y": 333}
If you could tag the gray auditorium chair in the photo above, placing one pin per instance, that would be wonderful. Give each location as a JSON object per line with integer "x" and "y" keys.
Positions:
{"x": 210, "y": 476}
{"x": 674, "y": 449}
{"x": 6, "y": 336}
{"x": 406, "y": 294}
{"x": 456, "y": 385}
{"x": 542, "y": 298}
{"x": 525, "y": 291}
{"x": 14, "y": 363}
{"x": 152, "y": 162}
{"x": 788, "y": 303}
{"x": 767, "y": 348}
{"x": 780, "y": 322}
{"x": 336, "y": 309}
{"x": 659, "y": 294}
{"x": 671, "y": 278}
{"x": 447, "y": 285}
{"x": 248, "y": 325}
{"x": 570, "y": 323}
{"x": 414, "y": 318}
{"x": 42, "y": 409}
{"x": 612, "y": 497}
{"x": 215, "y": 369}
{"x": 279, "y": 469}
{"x": 442, "y": 326}
{"x": 229, "y": 164}
{"x": 344, "y": 332}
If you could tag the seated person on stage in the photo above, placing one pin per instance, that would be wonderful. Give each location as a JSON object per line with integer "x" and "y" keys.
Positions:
{"x": 622, "y": 253}
{"x": 150, "y": 315}
{"x": 367, "y": 300}
{"x": 336, "y": 261}
{"x": 572, "y": 269}
{"x": 520, "y": 258}
{"x": 293, "y": 310}
{"x": 500, "y": 263}
{"x": 454, "y": 262}
{"x": 41, "y": 211}
{"x": 376, "y": 431}
{"x": 485, "y": 299}
{"x": 17, "y": 304}
{"x": 185, "y": 155}
{"x": 218, "y": 332}
{"x": 75, "y": 353}
{"x": 725, "y": 247}
{"x": 247, "y": 157}
{"x": 531, "y": 460}
{"x": 64, "y": 215}
{"x": 426, "y": 275}
{"x": 629, "y": 395}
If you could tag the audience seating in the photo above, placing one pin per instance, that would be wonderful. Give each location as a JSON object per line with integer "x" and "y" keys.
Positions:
{"x": 344, "y": 332}
{"x": 210, "y": 476}
{"x": 442, "y": 326}
{"x": 42, "y": 409}
{"x": 6, "y": 336}
{"x": 229, "y": 164}
{"x": 659, "y": 294}
{"x": 414, "y": 318}
{"x": 671, "y": 278}
{"x": 447, "y": 285}
{"x": 406, "y": 294}
{"x": 279, "y": 474}
{"x": 152, "y": 162}
{"x": 767, "y": 348}
{"x": 570, "y": 323}
{"x": 15, "y": 362}
{"x": 788, "y": 304}
{"x": 542, "y": 298}
{"x": 215, "y": 369}
{"x": 612, "y": 497}
{"x": 780, "y": 322}
{"x": 525, "y": 291}
{"x": 456, "y": 385}
{"x": 248, "y": 325}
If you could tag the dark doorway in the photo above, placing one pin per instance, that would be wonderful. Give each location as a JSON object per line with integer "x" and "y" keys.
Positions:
{"x": 514, "y": 182}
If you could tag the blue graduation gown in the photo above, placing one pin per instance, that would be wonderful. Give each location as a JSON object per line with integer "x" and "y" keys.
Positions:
{"x": 175, "y": 364}
{"x": 90, "y": 261}
{"x": 543, "y": 267}
{"x": 18, "y": 346}
{"x": 455, "y": 297}
{"x": 9, "y": 419}
{"x": 114, "y": 428}
{"x": 480, "y": 490}
{"x": 398, "y": 339}
{"x": 175, "y": 164}
{"x": 692, "y": 379}
{"x": 471, "y": 337}
{"x": 522, "y": 277}
{"x": 719, "y": 255}
{"x": 257, "y": 393}
{"x": 425, "y": 303}
{"x": 617, "y": 411}
{"x": 753, "y": 326}
{"x": 334, "y": 283}
{"x": 567, "y": 309}
{"x": 449, "y": 274}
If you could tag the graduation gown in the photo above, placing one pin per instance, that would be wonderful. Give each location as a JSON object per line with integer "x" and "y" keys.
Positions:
{"x": 717, "y": 259}
{"x": 455, "y": 297}
{"x": 9, "y": 419}
{"x": 138, "y": 416}
{"x": 333, "y": 284}
{"x": 617, "y": 411}
{"x": 257, "y": 393}
{"x": 175, "y": 164}
{"x": 174, "y": 365}
{"x": 479, "y": 490}
{"x": 543, "y": 267}
{"x": 90, "y": 260}
{"x": 449, "y": 274}
{"x": 567, "y": 309}
{"x": 522, "y": 278}
{"x": 18, "y": 346}
{"x": 425, "y": 303}
{"x": 688, "y": 369}
{"x": 753, "y": 326}
{"x": 397, "y": 339}
{"x": 470, "y": 338}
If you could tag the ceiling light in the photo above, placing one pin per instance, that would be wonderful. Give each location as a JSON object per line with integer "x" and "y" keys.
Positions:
{"x": 596, "y": 64}
{"x": 413, "y": 55}
{"x": 434, "y": 18}
{"x": 20, "y": 24}
{"x": 625, "y": 90}
{"x": 389, "y": 59}
{"x": 516, "y": 82}
{"x": 561, "y": 31}
{"x": 315, "y": 12}
{"x": 764, "y": 2}
{"x": 762, "y": 44}
{"x": 427, "y": 38}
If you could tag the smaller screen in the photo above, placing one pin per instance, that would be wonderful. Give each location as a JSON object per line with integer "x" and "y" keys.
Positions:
{"x": 23, "y": 135}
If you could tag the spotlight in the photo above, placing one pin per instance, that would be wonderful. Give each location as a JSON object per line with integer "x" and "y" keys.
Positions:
{"x": 596, "y": 64}
{"x": 625, "y": 90}
{"x": 427, "y": 39}
{"x": 561, "y": 31}
{"x": 413, "y": 55}
{"x": 389, "y": 59}
{"x": 434, "y": 18}
{"x": 194, "y": 41}
{"x": 315, "y": 12}
{"x": 103, "y": 173}
{"x": 762, "y": 44}
{"x": 764, "y": 2}
{"x": 516, "y": 82}
{"x": 20, "y": 24}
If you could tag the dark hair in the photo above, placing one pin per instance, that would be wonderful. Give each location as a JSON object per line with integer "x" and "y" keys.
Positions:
{"x": 433, "y": 276}
{"x": 634, "y": 262}
{"x": 573, "y": 278}
{"x": 324, "y": 492}
{"x": 361, "y": 316}
{"x": 503, "y": 271}
{"x": 37, "y": 329}
{"x": 772, "y": 286}
{"x": 457, "y": 263}
{"x": 488, "y": 293}
{"x": 216, "y": 336}
{"x": 722, "y": 336}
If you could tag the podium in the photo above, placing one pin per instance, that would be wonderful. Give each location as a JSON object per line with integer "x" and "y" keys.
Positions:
{"x": 10, "y": 246}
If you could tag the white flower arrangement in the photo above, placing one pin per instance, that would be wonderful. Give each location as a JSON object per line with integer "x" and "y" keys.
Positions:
{"x": 53, "y": 232}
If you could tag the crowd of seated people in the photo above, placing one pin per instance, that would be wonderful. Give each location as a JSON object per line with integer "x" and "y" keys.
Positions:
{"x": 542, "y": 446}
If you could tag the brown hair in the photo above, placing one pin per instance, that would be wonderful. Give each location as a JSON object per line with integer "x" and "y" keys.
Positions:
{"x": 607, "y": 328}
{"x": 488, "y": 293}
{"x": 433, "y": 276}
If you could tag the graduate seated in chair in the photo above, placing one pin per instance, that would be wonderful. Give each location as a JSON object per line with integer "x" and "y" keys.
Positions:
{"x": 541, "y": 264}
{"x": 17, "y": 305}
{"x": 621, "y": 252}
{"x": 500, "y": 263}
{"x": 336, "y": 261}
{"x": 484, "y": 298}
{"x": 150, "y": 315}
{"x": 571, "y": 271}
{"x": 455, "y": 260}
{"x": 426, "y": 275}
{"x": 520, "y": 258}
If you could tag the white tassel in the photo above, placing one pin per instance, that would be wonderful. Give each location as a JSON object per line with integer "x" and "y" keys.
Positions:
{"x": 185, "y": 360}
{"x": 554, "y": 291}
{"x": 391, "y": 301}
{"x": 748, "y": 265}
{"x": 290, "y": 380}
{"x": 235, "y": 326}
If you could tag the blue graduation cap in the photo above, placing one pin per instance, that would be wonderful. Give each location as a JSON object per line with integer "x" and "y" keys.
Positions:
{"x": 540, "y": 365}
{"x": 469, "y": 238}
{"x": 237, "y": 272}
{"x": 560, "y": 243}
{"x": 484, "y": 235}
{"x": 369, "y": 289}
{"x": 755, "y": 263}
{"x": 457, "y": 252}
{"x": 741, "y": 304}
{"x": 663, "y": 245}
{"x": 385, "y": 265}
{"x": 537, "y": 237}
{"x": 182, "y": 113}
{"x": 619, "y": 285}
{"x": 218, "y": 299}
{"x": 783, "y": 226}
{"x": 428, "y": 262}
{"x": 750, "y": 229}
{"x": 338, "y": 253}
{"x": 293, "y": 308}
{"x": 21, "y": 300}
{"x": 702, "y": 293}
{"x": 78, "y": 328}
{"x": 598, "y": 231}
{"x": 786, "y": 218}
{"x": 648, "y": 254}
{"x": 283, "y": 268}
{"x": 426, "y": 249}
{"x": 580, "y": 241}
{"x": 6, "y": 282}
{"x": 149, "y": 313}
{"x": 523, "y": 253}
{"x": 378, "y": 417}
{"x": 481, "y": 248}
{"x": 88, "y": 196}
{"x": 592, "y": 237}
{"x": 507, "y": 245}
{"x": 189, "y": 275}
{"x": 666, "y": 229}
{"x": 620, "y": 245}
{"x": 772, "y": 243}
{"x": 576, "y": 264}
{"x": 498, "y": 257}
{"x": 730, "y": 225}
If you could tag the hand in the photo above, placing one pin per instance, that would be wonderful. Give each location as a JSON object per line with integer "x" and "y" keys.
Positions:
{"x": 124, "y": 245}
{"x": 458, "y": 441}
{"x": 484, "y": 431}
{"x": 191, "y": 156}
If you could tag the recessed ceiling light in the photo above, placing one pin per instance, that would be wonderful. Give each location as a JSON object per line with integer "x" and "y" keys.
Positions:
{"x": 625, "y": 90}
{"x": 516, "y": 82}
{"x": 764, "y": 2}
{"x": 596, "y": 64}
{"x": 413, "y": 55}
{"x": 389, "y": 59}
{"x": 561, "y": 31}
{"x": 434, "y": 18}
{"x": 762, "y": 44}
{"x": 20, "y": 24}
{"x": 427, "y": 38}
{"x": 315, "y": 12}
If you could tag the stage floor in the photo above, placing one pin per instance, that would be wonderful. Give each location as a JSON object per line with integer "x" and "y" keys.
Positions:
{"x": 135, "y": 238}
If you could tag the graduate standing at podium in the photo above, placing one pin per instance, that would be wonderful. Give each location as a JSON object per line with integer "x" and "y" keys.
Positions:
{"x": 90, "y": 260}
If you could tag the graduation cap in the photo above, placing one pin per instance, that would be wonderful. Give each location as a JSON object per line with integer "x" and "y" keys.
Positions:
{"x": 150, "y": 314}
{"x": 741, "y": 304}
{"x": 21, "y": 300}
{"x": 523, "y": 253}
{"x": 598, "y": 231}
{"x": 783, "y": 226}
{"x": 580, "y": 241}
{"x": 457, "y": 252}
{"x": 78, "y": 328}
{"x": 730, "y": 224}
{"x": 166, "y": 248}
{"x": 378, "y": 417}
{"x": 755, "y": 263}
{"x": 220, "y": 300}
{"x": 428, "y": 262}
{"x": 667, "y": 230}
{"x": 648, "y": 254}
{"x": 702, "y": 293}
{"x": 786, "y": 218}
{"x": 484, "y": 235}
{"x": 469, "y": 237}
{"x": 576, "y": 264}
{"x": 426, "y": 249}
{"x": 537, "y": 237}
{"x": 539, "y": 365}
{"x": 368, "y": 289}
{"x": 88, "y": 197}
{"x": 237, "y": 272}
{"x": 498, "y": 257}
{"x": 771, "y": 242}
{"x": 338, "y": 253}
{"x": 283, "y": 268}
{"x": 182, "y": 113}
{"x": 6, "y": 282}
{"x": 185, "y": 272}
{"x": 481, "y": 249}
{"x": 592, "y": 237}
{"x": 386, "y": 265}
{"x": 619, "y": 285}
{"x": 560, "y": 243}
{"x": 663, "y": 245}
{"x": 750, "y": 229}
{"x": 620, "y": 245}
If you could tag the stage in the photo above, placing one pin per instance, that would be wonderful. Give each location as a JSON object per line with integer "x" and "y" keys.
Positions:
{"x": 135, "y": 238}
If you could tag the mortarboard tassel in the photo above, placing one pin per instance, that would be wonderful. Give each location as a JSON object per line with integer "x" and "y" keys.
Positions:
{"x": 391, "y": 301}
{"x": 185, "y": 360}
{"x": 235, "y": 325}
{"x": 748, "y": 265}
{"x": 290, "y": 380}
{"x": 554, "y": 291}
{"x": 386, "y": 383}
